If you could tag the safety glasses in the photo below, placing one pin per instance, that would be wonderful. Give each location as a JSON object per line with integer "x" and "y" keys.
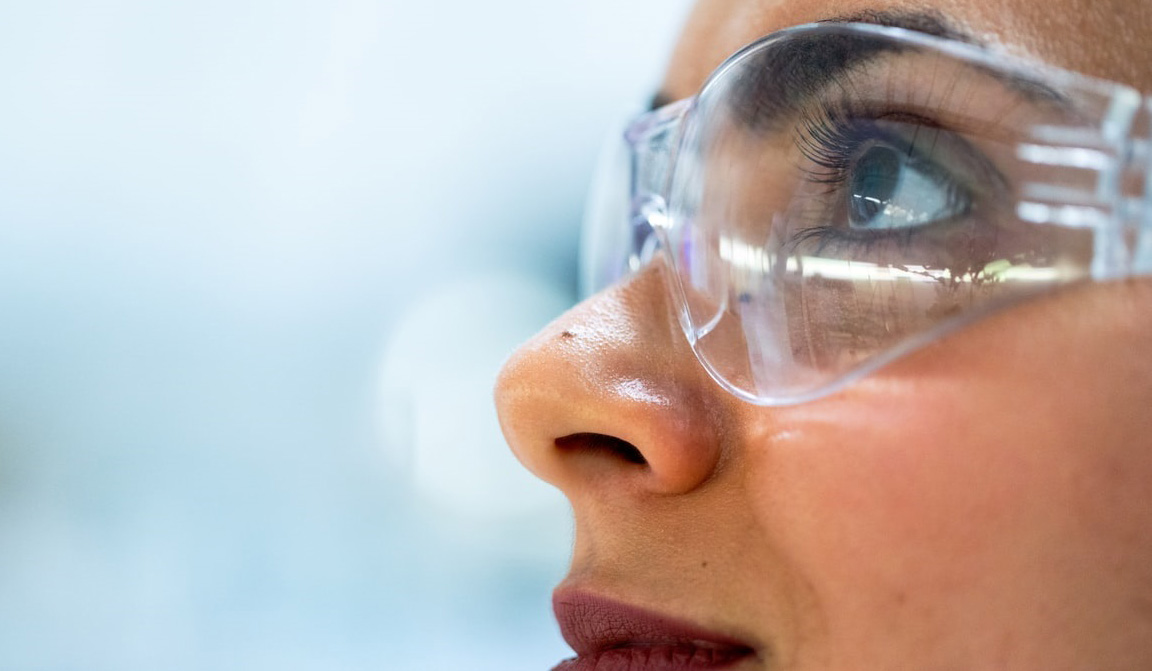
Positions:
{"x": 838, "y": 195}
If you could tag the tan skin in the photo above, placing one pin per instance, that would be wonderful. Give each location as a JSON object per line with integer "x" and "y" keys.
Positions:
{"x": 984, "y": 503}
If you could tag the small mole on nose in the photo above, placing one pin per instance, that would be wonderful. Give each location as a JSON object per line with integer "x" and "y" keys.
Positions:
{"x": 567, "y": 334}
{"x": 703, "y": 564}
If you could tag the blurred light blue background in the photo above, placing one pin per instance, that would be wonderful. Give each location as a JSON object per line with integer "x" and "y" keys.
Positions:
{"x": 259, "y": 262}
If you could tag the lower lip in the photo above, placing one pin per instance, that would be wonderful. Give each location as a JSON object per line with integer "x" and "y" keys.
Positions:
{"x": 662, "y": 658}
{"x": 613, "y": 636}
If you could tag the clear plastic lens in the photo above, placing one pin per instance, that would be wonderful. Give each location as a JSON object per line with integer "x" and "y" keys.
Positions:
{"x": 842, "y": 195}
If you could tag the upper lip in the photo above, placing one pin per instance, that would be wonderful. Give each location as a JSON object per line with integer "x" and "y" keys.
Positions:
{"x": 593, "y": 625}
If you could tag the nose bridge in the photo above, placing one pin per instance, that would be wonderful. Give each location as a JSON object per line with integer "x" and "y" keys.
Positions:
{"x": 611, "y": 393}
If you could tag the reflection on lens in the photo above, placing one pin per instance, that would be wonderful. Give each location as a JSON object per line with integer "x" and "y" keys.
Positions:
{"x": 873, "y": 183}
{"x": 829, "y": 213}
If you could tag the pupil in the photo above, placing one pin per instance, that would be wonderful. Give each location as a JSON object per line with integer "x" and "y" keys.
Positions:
{"x": 874, "y": 181}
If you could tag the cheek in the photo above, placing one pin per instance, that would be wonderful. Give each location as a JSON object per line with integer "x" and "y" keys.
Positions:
{"x": 897, "y": 485}
{"x": 913, "y": 516}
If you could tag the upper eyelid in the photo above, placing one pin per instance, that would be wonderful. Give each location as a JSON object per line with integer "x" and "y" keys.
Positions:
{"x": 990, "y": 177}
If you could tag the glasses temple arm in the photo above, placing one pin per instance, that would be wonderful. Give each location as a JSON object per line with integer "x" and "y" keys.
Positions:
{"x": 1098, "y": 178}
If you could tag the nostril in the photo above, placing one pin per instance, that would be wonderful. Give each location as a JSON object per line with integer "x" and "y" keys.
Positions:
{"x": 598, "y": 442}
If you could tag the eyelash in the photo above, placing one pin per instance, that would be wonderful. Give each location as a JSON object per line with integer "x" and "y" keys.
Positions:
{"x": 829, "y": 140}
{"x": 831, "y": 136}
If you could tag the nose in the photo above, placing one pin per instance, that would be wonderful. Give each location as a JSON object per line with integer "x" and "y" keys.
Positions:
{"x": 610, "y": 394}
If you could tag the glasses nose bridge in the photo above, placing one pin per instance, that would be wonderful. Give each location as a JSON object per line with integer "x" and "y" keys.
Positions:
{"x": 654, "y": 141}
{"x": 647, "y": 219}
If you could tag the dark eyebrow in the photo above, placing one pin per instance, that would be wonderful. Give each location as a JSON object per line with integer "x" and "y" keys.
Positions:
{"x": 798, "y": 71}
{"x": 801, "y": 69}
{"x": 927, "y": 22}
{"x": 844, "y": 52}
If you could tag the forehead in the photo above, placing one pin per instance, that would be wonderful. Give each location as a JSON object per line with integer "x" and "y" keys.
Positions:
{"x": 1104, "y": 38}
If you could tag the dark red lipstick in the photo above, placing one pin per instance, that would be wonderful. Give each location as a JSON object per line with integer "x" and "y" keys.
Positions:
{"x": 610, "y": 636}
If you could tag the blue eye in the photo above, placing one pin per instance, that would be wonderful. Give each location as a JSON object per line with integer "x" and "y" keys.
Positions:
{"x": 889, "y": 189}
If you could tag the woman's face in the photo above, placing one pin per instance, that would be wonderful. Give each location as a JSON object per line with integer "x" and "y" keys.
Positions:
{"x": 984, "y": 503}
